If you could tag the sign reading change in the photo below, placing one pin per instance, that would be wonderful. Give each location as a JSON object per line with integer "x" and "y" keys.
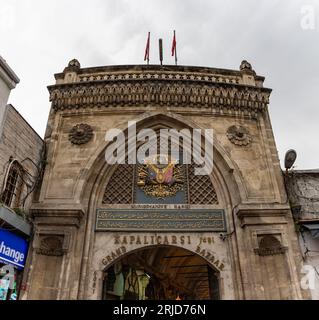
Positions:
{"x": 13, "y": 249}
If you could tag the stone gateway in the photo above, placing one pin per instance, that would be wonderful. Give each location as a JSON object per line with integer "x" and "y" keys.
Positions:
{"x": 152, "y": 231}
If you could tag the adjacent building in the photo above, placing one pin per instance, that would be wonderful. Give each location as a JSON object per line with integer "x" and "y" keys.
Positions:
{"x": 20, "y": 172}
{"x": 303, "y": 191}
{"x": 8, "y": 81}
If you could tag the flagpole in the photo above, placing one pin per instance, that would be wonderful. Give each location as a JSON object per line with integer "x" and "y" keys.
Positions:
{"x": 175, "y": 48}
{"x": 147, "y": 49}
{"x": 160, "y": 45}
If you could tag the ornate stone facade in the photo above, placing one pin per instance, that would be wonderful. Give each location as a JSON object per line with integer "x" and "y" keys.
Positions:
{"x": 222, "y": 94}
{"x": 82, "y": 196}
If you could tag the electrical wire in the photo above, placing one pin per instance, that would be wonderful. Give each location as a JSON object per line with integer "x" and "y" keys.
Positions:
{"x": 32, "y": 181}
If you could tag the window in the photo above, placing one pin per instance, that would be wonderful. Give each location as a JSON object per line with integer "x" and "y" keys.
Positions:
{"x": 13, "y": 186}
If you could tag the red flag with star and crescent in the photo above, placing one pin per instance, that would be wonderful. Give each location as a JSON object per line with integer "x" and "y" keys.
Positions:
{"x": 174, "y": 45}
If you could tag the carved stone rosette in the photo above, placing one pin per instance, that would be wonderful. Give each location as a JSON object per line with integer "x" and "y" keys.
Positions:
{"x": 81, "y": 134}
{"x": 239, "y": 135}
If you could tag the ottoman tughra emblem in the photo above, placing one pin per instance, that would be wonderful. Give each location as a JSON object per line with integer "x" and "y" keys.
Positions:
{"x": 239, "y": 135}
{"x": 81, "y": 133}
{"x": 160, "y": 180}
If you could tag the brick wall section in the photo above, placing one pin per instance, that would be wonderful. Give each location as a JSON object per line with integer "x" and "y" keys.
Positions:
{"x": 18, "y": 140}
{"x": 303, "y": 190}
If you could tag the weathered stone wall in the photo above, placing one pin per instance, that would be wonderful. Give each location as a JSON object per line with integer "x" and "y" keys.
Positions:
{"x": 20, "y": 142}
{"x": 303, "y": 192}
{"x": 246, "y": 175}
{"x": 254, "y": 163}
{"x": 4, "y": 94}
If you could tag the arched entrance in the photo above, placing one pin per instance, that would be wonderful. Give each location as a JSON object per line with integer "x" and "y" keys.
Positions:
{"x": 129, "y": 214}
{"x": 161, "y": 273}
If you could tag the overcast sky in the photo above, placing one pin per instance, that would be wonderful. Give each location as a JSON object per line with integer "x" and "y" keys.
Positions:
{"x": 279, "y": 38}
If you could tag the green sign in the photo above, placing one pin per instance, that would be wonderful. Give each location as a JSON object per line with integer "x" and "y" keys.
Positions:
{"x": 211, "y": 220}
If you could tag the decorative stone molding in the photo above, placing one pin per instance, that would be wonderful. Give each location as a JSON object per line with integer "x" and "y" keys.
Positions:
{"x": 270, "y": 245}
{"x": 74, "y": 65}
{"x": 246, "y": 66}
{"x": 51, "y": 246}
{"x": 239, "y": 135}
{"x": 262, "y": 214}
{"x": 64, "y": 217}
{"x": 224, "y": 94}
{"x": 51, "y": 242}
{"x": 81, "y": 134}
{"x": 162, "y": 75}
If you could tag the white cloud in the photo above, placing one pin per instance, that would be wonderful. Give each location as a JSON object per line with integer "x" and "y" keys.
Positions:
{"x": 43, "y": 36}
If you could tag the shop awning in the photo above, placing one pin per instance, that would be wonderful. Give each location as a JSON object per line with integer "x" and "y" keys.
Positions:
{"x": 313, "y": 228}
{"x": 14, "y": 220}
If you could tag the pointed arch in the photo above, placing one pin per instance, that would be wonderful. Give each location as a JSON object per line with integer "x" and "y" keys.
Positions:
{"x": 226, "y": 175}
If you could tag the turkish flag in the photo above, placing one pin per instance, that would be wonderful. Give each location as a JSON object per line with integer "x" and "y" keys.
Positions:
{"x": 174, "y": 45}
{"x": 147, "y": 49}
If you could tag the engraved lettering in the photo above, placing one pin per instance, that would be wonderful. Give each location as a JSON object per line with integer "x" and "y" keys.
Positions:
{"x": 174, "y": 240}
{"x": 117, "y": 240}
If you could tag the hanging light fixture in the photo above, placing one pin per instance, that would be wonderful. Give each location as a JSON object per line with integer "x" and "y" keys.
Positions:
{"x": 290, "y": 158}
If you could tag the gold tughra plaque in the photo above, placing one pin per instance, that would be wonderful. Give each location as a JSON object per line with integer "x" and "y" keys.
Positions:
{"x": 160, "y": 180}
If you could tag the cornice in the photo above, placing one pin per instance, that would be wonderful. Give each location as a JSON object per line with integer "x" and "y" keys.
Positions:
{"x": 220, "y": 91}
{"x": 64, "y": 215}
{"x": 222, "y": 98}
{"x": 7, "y": 74}
{"x": 262, "y": 214}
{"x": 165, "y": 69}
